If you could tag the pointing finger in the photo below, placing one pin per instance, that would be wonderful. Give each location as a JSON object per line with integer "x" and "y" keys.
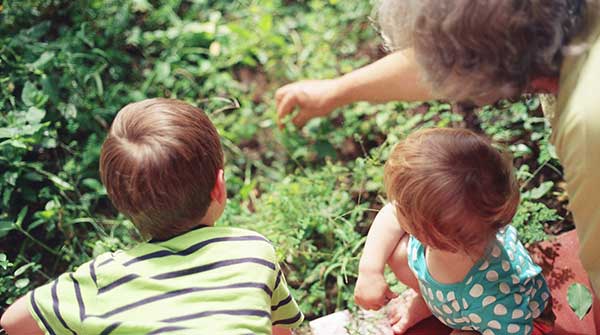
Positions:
{"x": 286, "y": 106}
{"x": 280, "y": 93}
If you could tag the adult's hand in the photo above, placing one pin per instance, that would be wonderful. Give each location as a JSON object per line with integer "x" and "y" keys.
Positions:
{"x": 394, "y": 77}
{"x": 313, "y": 98}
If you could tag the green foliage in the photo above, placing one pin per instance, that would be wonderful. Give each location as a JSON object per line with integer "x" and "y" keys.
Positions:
{"x": 580, "y": 299}
{"x": 526, "y": 133}
{"x": 530, "y": 219}
{"x": 14, "y": 281}
{"x": 532, "y": 214}
{"x": 67, "y": 67}
{"x": 311, "y": 218}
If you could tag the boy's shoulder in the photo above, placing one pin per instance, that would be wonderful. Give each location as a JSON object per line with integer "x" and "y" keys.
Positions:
{"x": 208, "y": 233}
{"x": 248, "y": 235}
{"x": 233, "y": 239}
{"x": 240, "y": 231}
{"x": 242, "y": 234}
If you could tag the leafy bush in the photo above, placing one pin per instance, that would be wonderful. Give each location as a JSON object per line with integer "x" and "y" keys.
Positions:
{"x": 66, "y": 68}
{"x": 13, "y": 279}
{"x": 311, "y": 218}
{"x": 530, "y": 219}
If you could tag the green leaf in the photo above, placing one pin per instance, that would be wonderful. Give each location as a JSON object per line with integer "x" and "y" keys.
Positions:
{"x": 539, "y": 191}
{"x": 68, "y": 111}
{"x": 4, "y": 263}
{"x": 518, "y": 108}
{"x": 34, "y": 115}
{"x": 580, "y": 299}
{"x": 56, "y": 180}
{"x": 5, "y": 228}
{"x": 29, "y": 129}
{"x": 21, "y": 216}
{"x": 60, "y": 183}
{"x": 23, "y": 268}
{"x": 14, "y": 143}
{"x": 141, "y": 6}
{"x": 28, "y": 96}
{"x": 162, "y": 70}
{"x": 46, "y": 57}
{"x": 21, "y": 283}
{"x": 8, "y": 132}
{"x": 6, "y": 196}
{"x": 324, "y": 148}
{"x": 93, "y": 184}
{"x": 266, "y": 23}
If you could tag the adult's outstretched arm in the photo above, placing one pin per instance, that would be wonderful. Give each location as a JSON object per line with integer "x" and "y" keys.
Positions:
{"x": 394, "y": 77}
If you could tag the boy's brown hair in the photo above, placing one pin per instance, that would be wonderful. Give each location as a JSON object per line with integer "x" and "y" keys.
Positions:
{"x": 452, "y": 188}
{"x": 159, "y": 164}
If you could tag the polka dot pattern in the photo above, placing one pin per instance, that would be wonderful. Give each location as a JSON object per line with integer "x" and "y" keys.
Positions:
{"x": 475, "y": 318}
{"x": 491, "y": 276}
{"x": 500, "y": 295}
{"x": 512, "y": 328}
{"x": 517, "y": 314}
{"x": 440, "y": 296}
{"x": 494, "y": 324}
{"x": 488, "y": 300}
{"x": 500, "y": 310}
{"x": 496, "y": 252}
{"x": 518, "y": 298}
{"x": 476, "y": 291}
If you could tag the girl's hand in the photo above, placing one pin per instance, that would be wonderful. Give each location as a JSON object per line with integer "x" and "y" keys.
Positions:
{"x": 314, "y": 98}
{"x": 372, "y": 291}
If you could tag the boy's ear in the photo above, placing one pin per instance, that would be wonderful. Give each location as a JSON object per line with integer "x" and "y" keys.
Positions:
{"x": 219, "y": 191}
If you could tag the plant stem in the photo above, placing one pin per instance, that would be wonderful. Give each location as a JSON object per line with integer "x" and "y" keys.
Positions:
{"x": 41, "y": 244}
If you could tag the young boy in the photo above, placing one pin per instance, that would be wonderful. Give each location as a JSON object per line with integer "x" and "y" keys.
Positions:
{"x": 446, "y": 235}
{"x": 162, "y": 166}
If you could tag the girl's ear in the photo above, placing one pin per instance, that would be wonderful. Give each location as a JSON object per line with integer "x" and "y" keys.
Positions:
{"x": 219, "y": 191}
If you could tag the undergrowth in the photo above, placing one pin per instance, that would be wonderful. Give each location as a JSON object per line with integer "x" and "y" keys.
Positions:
{"x": 67, "y": 67}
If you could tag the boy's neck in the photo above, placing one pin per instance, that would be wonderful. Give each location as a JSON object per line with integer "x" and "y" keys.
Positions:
{"x": 213, "y": 213}
{"x": 208, "y": 223}
{"x": 208, "y": 219}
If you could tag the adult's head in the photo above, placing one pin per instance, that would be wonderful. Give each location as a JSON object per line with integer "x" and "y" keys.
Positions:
{"x": 161, "y": 163}
{"x": 482, "y": 50}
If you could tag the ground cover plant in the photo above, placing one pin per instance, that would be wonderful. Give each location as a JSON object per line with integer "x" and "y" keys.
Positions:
{"x": 66, "y": 68}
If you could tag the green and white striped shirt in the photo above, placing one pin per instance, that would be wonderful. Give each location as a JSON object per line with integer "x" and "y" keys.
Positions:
{"x": 214, "y": 280}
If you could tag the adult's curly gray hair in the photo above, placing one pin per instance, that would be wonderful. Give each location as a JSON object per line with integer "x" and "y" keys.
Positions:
{"x": 482, "y": 50}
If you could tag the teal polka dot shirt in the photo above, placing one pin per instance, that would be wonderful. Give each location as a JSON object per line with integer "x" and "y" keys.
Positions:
{"x": 502, "y": 294}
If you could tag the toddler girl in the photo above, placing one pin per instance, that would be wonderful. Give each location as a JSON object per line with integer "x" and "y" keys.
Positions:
{"x": 446, "y": 235}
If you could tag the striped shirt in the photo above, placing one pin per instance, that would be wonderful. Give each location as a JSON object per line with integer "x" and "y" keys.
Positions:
{"x": 214, "y": 280}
